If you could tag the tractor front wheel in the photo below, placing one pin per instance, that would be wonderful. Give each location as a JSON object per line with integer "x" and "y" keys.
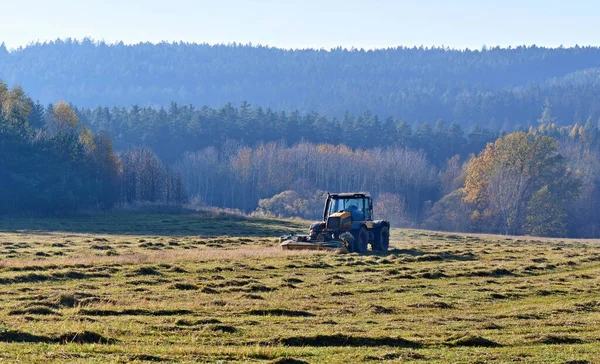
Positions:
{"x": 361, "y": 240}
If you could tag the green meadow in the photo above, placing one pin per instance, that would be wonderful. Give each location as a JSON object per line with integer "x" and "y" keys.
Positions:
{"x": 204, "y": 288}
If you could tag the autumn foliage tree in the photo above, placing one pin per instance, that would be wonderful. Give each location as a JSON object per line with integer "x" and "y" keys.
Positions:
{"x": 62, "y": 119}
{"x": 451, "y": 213}
{"x": 391, "y": 207}
{"x": 146, "y": 179}
{"x": 514, "y": 179}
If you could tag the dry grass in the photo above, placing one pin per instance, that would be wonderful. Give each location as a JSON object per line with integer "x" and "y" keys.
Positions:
{"x": 146, "y": 296}
{"x": 171, "y": 256}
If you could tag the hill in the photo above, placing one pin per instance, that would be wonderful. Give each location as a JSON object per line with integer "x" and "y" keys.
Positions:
{"x": 496, "y": 87}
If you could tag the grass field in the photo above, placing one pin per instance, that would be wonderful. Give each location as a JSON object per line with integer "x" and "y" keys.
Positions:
{"x": 160, "y": 288}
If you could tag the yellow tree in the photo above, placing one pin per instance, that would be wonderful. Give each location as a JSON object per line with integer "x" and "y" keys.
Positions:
{"x": 15, "y": 107}
{"x": 503, "y": 178}
{"x": 62, "y": 119}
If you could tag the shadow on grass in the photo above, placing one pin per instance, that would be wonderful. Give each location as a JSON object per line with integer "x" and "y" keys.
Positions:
{"x": 36, "y": 278}
{"x": 280, "y": 312}
{"x": 345, "y": 340}
{"x": 134, "y": 312}
{"x": 424, "y": 256}
{"x": 121, "y": 223}
{"x": 85, "y": 337}
{"x": 12, "y": 336}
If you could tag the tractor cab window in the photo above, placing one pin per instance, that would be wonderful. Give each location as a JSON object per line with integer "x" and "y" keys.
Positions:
{"x": 367, "y": 210}
{"x": 358, "y": 207}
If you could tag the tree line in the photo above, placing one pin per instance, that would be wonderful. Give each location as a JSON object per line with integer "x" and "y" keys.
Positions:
{"x": 522, "y": 183}
{"x": 491, "y": 87}
{"x": 179, "y": 129}
{"x": 239, "y": 176}
{"x": 52, "y": 164}
{"x": 544, "y": 180}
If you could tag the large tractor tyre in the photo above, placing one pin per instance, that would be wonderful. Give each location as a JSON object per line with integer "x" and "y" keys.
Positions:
{"x": 361, "y": 240}
{"x": 381, "y": 242}
{"x": 348, "y": 240}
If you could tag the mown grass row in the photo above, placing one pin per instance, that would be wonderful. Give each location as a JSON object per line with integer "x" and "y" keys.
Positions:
{"x": 434, "y": 297}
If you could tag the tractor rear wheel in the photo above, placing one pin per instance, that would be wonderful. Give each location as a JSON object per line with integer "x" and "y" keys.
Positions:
{"x": 361, "y": 240}
{"x": 382, "y": 239}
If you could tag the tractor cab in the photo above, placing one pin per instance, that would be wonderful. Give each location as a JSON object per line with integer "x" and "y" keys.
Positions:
{"x": 341, "y": 210}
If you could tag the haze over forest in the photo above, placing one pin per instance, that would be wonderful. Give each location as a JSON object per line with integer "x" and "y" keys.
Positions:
{"x": 430, "y": 132}
{"x": 503, "y": 88}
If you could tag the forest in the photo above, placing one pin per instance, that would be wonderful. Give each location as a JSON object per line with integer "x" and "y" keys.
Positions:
{"x": 543, "y": 180}
{"x": 494, "y": 88}
{"x": 51, "y": 164}
{"x": 178, "y": 129}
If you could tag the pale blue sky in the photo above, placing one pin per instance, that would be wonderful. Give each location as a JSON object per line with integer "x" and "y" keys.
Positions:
{"x": 306, "y": 23}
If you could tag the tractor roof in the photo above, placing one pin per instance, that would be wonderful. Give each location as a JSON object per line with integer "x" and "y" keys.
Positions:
{"x": 350, "y": 195}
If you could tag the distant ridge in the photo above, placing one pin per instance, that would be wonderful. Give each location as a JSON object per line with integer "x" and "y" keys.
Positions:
{"x": 492, "y": 85}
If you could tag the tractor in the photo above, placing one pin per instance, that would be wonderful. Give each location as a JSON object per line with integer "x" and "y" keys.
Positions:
{"x": 347, "y": 225}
